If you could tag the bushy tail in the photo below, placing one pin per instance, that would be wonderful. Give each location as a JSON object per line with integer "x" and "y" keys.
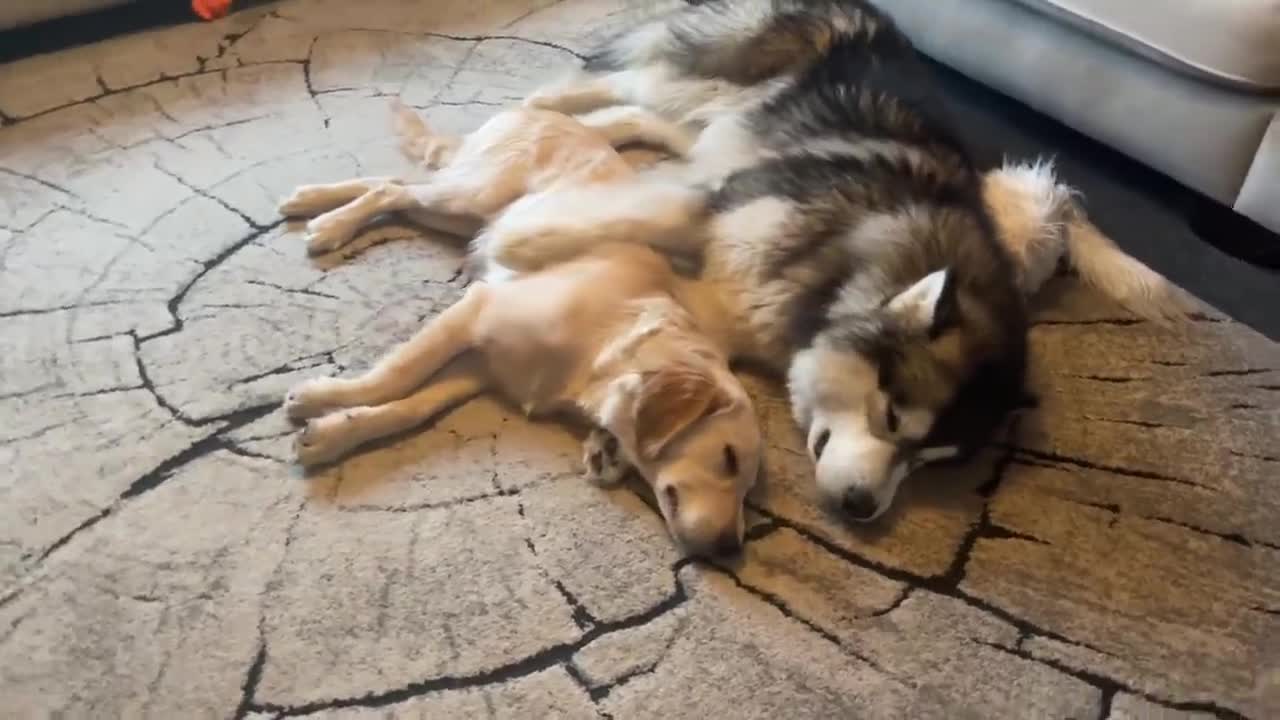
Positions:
{"x": 1119, "y": 276}
{"x": 1041, "y": 223}
{"x": 417, "y": 141}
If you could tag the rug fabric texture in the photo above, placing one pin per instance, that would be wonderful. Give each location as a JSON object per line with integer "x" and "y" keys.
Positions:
{"x": 1117, "y": 556}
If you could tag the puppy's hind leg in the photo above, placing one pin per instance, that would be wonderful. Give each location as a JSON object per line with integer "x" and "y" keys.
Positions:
{"x": 401, "y": 370}
{"x": 546, "y": 228}
{"x": 418, "y": 142}
{"x": 577, "y": 95}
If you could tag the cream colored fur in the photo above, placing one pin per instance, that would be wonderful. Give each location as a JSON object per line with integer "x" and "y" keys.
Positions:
{"x": 608, "y": 332}
{"x": 1042, "y": 224}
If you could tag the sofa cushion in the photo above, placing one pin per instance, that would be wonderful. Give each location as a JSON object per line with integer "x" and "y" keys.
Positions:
{"x": 1231, "y": 41}
{"x": 18, "y": 14}
{"x": 1201, "y": 134}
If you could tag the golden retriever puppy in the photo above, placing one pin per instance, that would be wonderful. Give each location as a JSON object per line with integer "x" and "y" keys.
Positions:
{"x": 610, "y": 334}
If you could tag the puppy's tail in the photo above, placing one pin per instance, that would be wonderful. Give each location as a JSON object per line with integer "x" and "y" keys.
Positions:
{"x": 417, "y": 141}
{"x": 1041, "y": 222}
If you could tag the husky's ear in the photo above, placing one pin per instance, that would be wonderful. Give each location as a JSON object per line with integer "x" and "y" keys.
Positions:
{"x": 929, "y": 305}
{"x": 648, "y": 411}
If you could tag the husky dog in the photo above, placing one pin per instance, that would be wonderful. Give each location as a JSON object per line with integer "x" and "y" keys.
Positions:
{"x": 859, "y": 250}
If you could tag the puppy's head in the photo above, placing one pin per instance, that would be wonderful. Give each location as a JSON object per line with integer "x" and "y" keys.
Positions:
{"x": 693, "y": 434}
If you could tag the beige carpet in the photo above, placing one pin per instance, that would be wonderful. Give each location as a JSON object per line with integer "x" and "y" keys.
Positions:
{"x": 160, "y": 557}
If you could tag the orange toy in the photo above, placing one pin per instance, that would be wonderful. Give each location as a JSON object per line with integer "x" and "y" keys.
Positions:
{"x": 211, "y": 9}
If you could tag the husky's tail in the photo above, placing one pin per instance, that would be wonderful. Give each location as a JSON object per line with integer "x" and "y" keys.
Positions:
{"x": 1041, "y": 223}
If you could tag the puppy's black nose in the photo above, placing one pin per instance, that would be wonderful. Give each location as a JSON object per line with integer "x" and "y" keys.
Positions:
{"x": 859, "y": 504}
{"x": 727, "y": 545}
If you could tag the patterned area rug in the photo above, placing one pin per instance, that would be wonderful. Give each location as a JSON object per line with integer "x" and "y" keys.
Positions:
{"x": 1118, "y": 556}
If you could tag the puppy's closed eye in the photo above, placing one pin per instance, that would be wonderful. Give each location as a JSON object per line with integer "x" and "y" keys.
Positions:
{"x": 730, "y": 460}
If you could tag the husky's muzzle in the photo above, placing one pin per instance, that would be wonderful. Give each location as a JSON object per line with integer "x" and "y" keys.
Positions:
{"x": 860, "y": 473}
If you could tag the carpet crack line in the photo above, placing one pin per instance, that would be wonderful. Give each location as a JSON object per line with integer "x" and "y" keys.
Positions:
{"x": 208, "y": 196}
{"x": 1114, "y": 469}
{"x": 581, "y": 616}
{"x": 39, "y": 181}
{"x": 320, "y": 358}
{"x": 442, "y": 505}
{"x": 556, "y": 655}
{"x": 59, "y": 308}
{"x": 1107, "y": 684}
{"x": 1233, "y": 538}
{"x": 938, "y": 584}
{"x": 297, "y": 291}
{"x": 160, "y": 473}
{"x": 895, "y": 604}
{"x": 1238, "y": 373}
{"x": 1136, "y": 423}
{"x": 139, "y": 86}
{"x": 781, "y": 606}
{"x": 601, "y": 692}
{"x": 205, "y": 267}
{"x": 306, "y": 80}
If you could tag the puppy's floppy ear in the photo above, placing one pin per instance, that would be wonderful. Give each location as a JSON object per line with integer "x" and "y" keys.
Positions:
{"x": 669, "y": 401}
{"x": 929, "y": 305}
{"x": 646, "y": 410}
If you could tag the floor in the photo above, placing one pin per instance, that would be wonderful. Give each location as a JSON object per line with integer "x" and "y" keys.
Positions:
{"x": 1117, "y": 555}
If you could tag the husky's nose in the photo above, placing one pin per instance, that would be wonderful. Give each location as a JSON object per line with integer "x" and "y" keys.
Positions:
{"x": 859, "y": 504}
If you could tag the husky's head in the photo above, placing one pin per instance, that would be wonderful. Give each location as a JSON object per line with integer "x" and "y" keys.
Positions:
{"x": 879, "y": 393}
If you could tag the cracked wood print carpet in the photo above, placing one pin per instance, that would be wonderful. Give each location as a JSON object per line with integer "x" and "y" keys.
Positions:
{"x": 1118, "y": 556}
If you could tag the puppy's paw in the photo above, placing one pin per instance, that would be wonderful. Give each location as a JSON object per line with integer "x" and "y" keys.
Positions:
{"x": 328, "y": 233}
{"x": 306, "y": 200}
{"x": 600, "y": 454}
{"x": 322, "y": 440}
{"x": 311, "y": 398}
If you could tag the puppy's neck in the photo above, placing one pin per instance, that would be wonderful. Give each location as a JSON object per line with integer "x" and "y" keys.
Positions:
{"x": 660, "y": 334}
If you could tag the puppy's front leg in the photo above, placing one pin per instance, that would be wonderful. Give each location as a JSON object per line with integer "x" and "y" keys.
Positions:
{"x": 311, "y": 200}
{"x": 400, "y": 371}
{"x": 329, "y": 437}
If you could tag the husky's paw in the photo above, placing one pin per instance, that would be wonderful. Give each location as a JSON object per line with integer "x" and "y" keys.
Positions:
{"x": 306, "y": 200}
{"x": 311, "y": 398}
{"x": 323, "y": 439}
{"x": 328, "y": 233}
{"x": 604, "y": 466}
